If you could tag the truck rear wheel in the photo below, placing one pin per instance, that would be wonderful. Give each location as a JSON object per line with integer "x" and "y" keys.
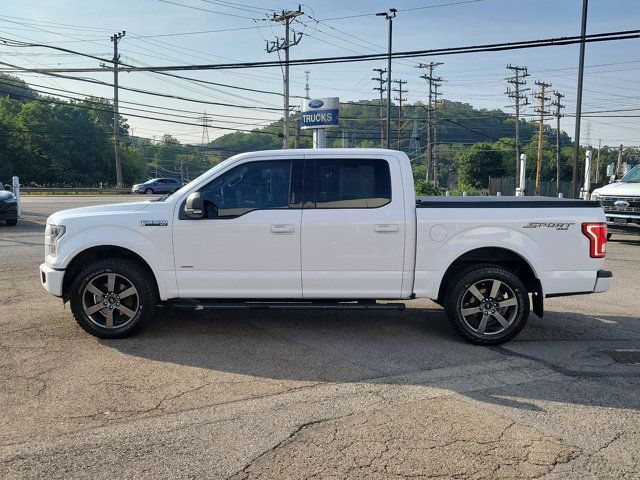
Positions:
{"x": 487, "y": 304}
{"x": 112, "y": 298}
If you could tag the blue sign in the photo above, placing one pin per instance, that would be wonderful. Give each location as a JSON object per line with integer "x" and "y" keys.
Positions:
{"x": 317, "y": 118}
{"x": 320, "y": 112}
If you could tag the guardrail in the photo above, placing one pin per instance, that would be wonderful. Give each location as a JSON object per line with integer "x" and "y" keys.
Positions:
{"x": 59, "y": 191}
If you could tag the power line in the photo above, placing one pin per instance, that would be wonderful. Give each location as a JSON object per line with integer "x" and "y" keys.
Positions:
{"x": 207, "y": 10}
{"x": 494, "y": 47}
{"x": 139, "y": 90}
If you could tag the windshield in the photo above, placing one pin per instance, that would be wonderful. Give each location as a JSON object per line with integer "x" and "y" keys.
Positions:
{"x": 633, "y": 176}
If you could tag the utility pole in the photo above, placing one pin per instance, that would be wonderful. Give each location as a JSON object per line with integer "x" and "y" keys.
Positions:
{"x": 558, "y": 115}
{"x": 390, "y": 15}
{"x": 306, "y": 84}
{"x": 520, "y": 99}
{"x": 400, "y": 99}
{"x": 576, "y": 136}
{"x": 542, "y": 112}
{"x": 414, "y": 146}
{"x": 285, "y": 18}
{"x": 619, "y": 165}
{"x": 115, "y": 38}
{"x": 598, "y": 161}
{"x": 432, "y": 82}
{"x": 434, "y": 121}
{"x": 380, "y": 88}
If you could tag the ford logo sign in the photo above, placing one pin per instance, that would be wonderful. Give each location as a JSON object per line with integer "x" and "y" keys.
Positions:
{"x": 316, "y": 103}
{"x": 621, "y": 204}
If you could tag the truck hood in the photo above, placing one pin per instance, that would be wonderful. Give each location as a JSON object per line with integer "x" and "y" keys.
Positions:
{"x": 619, "y": 189}
{"x": 60, "y": 217}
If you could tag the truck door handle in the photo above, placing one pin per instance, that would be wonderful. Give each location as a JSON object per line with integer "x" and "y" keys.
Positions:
{"x": 386, "y": 228}
{"x": 282, "y": 229}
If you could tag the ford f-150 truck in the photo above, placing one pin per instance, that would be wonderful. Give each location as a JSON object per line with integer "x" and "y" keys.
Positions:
{"x": 323, "y": 229}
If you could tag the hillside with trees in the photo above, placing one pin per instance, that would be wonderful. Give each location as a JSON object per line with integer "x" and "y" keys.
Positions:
{"x": 49, "y": 141}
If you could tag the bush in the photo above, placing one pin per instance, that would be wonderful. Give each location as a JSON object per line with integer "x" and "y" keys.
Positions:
{"x": 425, "y": 189}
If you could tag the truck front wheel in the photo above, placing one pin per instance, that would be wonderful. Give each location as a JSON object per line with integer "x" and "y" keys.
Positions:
{"x": 112, "y": 298}
{"x": 487, "y": 304}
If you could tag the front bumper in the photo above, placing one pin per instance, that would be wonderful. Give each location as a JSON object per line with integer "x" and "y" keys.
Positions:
{"x": 621, "y": 221}
{"x": 603, "y": 280}
{"x": 51, "y": 279}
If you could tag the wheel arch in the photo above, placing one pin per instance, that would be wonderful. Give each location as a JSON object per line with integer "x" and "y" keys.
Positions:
{"x": 499, "y": 256}
{"x": 101, "y": 252}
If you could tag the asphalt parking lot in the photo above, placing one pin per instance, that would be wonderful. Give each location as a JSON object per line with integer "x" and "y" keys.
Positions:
{"x": 313, "y": 395}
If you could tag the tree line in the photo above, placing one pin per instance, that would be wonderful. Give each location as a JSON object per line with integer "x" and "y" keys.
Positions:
{"x": 48, "y": 141}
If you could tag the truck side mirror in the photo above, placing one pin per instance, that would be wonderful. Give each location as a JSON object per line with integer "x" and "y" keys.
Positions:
{"x": 194, "y": 206}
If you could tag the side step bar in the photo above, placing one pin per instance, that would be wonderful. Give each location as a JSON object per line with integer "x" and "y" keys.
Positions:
{"x": 256, "y": 305}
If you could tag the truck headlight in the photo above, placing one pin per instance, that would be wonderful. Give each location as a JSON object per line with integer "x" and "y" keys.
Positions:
{"x": 53, "y": 234}
{"x": 595, "y": 197}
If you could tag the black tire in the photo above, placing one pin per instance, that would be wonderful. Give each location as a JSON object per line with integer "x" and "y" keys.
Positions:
{"x": 149, "y": 191}
{"x": 493, "y": 324}
{"x": 127, "y": 314}
{"x": 12, "y": 223}
{"x": 609, "y": 236}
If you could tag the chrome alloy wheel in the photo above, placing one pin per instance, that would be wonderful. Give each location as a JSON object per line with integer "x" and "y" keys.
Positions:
{"x": 110, "y": 300}
{"x": 489, "y": 307}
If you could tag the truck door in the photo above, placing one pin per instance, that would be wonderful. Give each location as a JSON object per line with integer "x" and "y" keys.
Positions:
{"x": 353, "y": 228}
{"x": 248, "y": 244}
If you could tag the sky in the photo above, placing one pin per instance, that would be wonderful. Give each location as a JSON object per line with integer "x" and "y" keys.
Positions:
{"x": 173, "y": 32}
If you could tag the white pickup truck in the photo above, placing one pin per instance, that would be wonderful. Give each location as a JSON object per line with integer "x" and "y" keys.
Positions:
{"x": 621, "y": 201}
{"x": 323, "y": 229}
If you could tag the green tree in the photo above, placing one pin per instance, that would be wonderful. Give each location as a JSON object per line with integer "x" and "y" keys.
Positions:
{"x": 478, "y": 163}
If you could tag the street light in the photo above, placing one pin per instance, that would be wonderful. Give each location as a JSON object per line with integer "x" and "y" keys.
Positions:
{"x": 390, "y": 15}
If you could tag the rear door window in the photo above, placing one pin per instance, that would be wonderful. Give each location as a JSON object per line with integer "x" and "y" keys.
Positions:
{"x": 351, "y": 183}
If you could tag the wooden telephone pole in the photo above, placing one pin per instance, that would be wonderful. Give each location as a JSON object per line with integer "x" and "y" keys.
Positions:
{"x": 433, "y": 83}
{"x": 381, "y": 88}
{"x": 558, "y": 115}
{"x": 520, "y": 100}
{"x": 285, "y": 18}
{"x": 400, "y": 99}
{"x": 542, "y": 112}
{"x": 115, "y": 38}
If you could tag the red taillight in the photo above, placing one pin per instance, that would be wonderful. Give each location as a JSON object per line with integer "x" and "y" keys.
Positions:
{"x": 597, "y": 235}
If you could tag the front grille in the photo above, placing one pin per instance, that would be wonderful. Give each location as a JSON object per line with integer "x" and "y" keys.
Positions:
{"x": 625, "y": 356}
{"x": 625, "y": 204}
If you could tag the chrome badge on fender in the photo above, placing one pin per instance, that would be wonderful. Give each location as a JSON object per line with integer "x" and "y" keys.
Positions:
{"x": 556, "y": 225}
{"x": 154, "y": 223}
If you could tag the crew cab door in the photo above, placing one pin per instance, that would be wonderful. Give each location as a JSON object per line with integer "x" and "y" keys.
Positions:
{"x": 353, "y": 228}
{"x": 248, "y": 243}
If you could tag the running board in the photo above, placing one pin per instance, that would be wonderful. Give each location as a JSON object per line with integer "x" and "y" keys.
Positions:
{"x": 253, "y": 305}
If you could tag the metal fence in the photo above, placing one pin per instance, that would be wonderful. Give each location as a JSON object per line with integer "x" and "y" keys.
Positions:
{"x": 92, "y": 191}
{"x": 507, "y": 186}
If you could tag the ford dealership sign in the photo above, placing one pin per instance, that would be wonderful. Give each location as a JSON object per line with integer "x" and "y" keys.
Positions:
{"x": 320, "y": 113}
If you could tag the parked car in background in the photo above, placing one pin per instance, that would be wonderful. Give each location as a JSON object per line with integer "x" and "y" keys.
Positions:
{"x": 8, "y": 208}
{"x": 157, "y": 185}
{"x": 621, "y": 201}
